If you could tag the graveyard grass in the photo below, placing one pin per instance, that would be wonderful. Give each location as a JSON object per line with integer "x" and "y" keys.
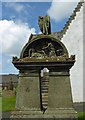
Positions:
{"x": 0, "y": 104}
{"x": 81, "y": 116}
{"x": 8, "y": 103}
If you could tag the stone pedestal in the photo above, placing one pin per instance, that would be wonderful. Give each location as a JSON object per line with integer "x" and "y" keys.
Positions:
{"x": 28, "y": 103}
{"x": 59, "y": 95}
{"x": 28, "y": 94}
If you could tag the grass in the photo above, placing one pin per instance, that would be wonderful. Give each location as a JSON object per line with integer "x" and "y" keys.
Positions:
{"x": 0, "y": 104}
{"x": 8, "y": 103}
{"x": 81, "y": 115}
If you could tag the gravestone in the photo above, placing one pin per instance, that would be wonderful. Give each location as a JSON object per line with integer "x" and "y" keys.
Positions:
{"x": 47, "y": 96}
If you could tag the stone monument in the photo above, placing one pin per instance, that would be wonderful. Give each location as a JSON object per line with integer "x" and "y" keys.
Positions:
{"x": 47, "y": 96}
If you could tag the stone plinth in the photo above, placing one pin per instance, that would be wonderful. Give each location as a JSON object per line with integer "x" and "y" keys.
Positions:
{"x": 28, "y": 94}
{"x": 59, "y": 90}
{"x": 28, "y": 101}
{"x": 59, "y": 114}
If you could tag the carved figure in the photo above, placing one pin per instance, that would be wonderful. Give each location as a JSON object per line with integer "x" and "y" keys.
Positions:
{"x": 49, "y": 50}
{"x": 52, "y": 52}
{"x": 33, "y": 53}
{"x": 46, "y": 51}
{"x": 59, "y": 52}
{"x": 44, "y": 24}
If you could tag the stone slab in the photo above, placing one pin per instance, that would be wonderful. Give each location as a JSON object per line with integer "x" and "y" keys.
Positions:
{"x": 59, "y": 93}
{"x": 28, "y": 94}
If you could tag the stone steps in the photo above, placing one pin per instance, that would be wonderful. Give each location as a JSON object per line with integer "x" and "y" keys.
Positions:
{"x": 44, "y": 91}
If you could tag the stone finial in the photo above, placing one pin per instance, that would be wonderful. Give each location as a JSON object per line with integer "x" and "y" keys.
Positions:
{"x": 44, "y": 24}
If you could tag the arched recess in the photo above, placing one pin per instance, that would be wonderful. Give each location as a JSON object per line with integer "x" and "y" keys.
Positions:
{"x": 41, "y": 41}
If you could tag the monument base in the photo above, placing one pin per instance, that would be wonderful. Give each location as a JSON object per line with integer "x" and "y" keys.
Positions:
{"x": 49, "y": 114}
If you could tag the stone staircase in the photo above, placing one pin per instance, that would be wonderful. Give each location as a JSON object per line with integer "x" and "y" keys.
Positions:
{"x": 44, "y": 91}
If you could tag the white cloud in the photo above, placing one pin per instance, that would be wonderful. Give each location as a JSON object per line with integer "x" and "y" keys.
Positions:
{"x": 13, "y": 36}
{"x": 60, "y": 10}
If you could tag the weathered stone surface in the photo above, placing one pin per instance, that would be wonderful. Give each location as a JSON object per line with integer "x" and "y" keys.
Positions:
{"x": 59, "y": 92}
{"x": 28, "y": 95}
{"x": 59, "y": 114}
{"x": 44, "y": 24}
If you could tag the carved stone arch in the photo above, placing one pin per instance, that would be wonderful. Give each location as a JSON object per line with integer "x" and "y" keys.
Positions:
{"x": 37, "y": 41}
